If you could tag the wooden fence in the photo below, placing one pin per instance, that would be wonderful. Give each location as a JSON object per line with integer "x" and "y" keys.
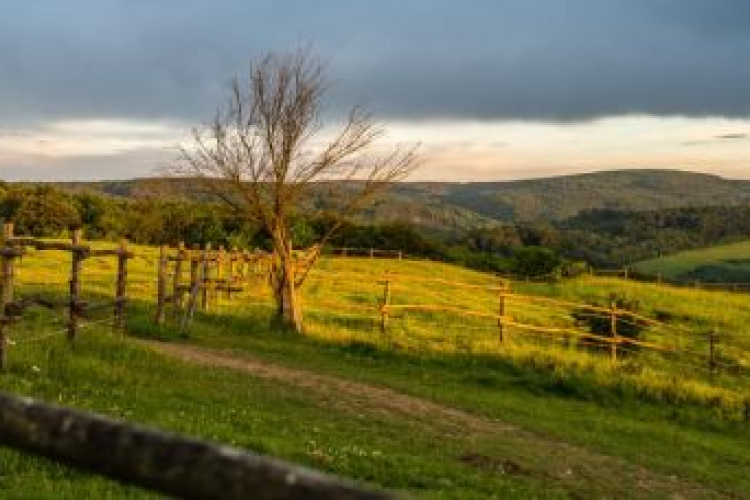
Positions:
{"x": 659, "y": 279}
{"x": 366, "y": 252}
{"x": 624, "y": 273}
{"x": 188, "y": 279}
{"x": 170, "y": 464}
{"x": 705, "y": 355}
{"x": 13, "y": 306}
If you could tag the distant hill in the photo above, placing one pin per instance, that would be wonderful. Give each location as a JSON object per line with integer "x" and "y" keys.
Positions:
{"x": 481, "y": 203}
{"x": 557, "y": 198}
{"x": 723, "y": 263}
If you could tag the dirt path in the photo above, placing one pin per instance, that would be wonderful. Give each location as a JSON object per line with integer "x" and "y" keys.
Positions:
{"x": 520, "y": 452}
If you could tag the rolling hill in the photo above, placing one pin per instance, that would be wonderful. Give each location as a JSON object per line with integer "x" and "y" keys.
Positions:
{"x": 719, "y": 264}
{"x": 479, "y": 203}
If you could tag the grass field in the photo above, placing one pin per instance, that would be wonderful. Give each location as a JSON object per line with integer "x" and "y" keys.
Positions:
{"x": 484, "y": 419}
{"x": 724, "y": 263}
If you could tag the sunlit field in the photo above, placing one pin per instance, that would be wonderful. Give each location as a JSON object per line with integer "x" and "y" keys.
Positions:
{"x": 665, "y": 414}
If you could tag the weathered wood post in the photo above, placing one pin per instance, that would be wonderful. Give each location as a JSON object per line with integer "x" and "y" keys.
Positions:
{"x": 613, "y": 329}
{"x": 206, "y": 276}
{"x": 75, "y": 283}
{"x": 197, "y": 270}
{"x": 232, "y": 277}
{"x": 712, "y": 351}
{"x": 7, "y": 273}
{"x": 176, "y": 290}
{"x": 6, "y": 292}
{"x": 386, "y": 304}
{"x": 121, "y": 285}
{"x": 187, "y": 468}
{"x": 221, "y": 277}
{"x": 3, "y": 344}
{"x": 193, "y": 258}
{"x": 161, "y": 285}
{"x": 504, "y": 290}
{"x": 626, "y": 273}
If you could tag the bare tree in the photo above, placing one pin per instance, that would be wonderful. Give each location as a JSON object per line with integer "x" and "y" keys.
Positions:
{"x": 267, "y": 155}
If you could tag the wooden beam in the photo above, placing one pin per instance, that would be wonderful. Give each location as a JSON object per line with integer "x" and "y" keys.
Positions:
{"x": 170, "y": 464}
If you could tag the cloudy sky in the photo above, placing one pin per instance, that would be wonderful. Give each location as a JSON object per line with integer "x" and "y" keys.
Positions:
{"x": 492, "y": 89}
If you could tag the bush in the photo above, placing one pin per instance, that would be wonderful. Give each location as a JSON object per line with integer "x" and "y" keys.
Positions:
{"x": 534, "y": 262}
{"x": 600, "y": 323}
{"x": 574, "y": 269}
{"x": 45, "y": 212}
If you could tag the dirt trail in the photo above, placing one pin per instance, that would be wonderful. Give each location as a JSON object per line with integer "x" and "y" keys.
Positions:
{"x": 580, "y": 471}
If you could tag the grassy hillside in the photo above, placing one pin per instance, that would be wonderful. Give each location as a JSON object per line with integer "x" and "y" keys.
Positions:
{"x": 517, "y": 419}
{"x": 720, "y": 264}
{"x": 471, "y": 203}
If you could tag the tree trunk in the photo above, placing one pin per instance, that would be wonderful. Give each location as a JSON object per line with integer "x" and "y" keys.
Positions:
{"x": 288, "y": 314}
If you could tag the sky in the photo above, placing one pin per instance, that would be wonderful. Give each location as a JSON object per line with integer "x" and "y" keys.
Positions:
{"x": 491, "y": 89}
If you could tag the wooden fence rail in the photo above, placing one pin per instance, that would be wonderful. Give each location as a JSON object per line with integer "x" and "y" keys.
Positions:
{"x": 365, "y": 252}
{"x": 167, "y": 463}
{"x": 12, "y": 307}
{"x": 191, "y": 278}
{"x": 614, "y": 342}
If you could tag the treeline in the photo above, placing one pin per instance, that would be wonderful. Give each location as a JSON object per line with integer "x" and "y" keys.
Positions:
{"x": 611, "y": 238}
{"x": 603, "y": 238}
{"x": 45, "y": 211}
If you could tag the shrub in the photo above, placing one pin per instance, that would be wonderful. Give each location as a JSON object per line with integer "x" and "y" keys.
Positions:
{"x": 534, "y": 262}
{"x": 600, "y": 323}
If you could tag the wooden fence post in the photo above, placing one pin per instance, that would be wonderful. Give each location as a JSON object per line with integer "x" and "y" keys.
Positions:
{"x": 197, "y": 270}
{"x": 385, "y": 305}
{"x": 7, "y": 273}
{"x": 232, "y": 278}
{"x": 121, "y": 285}
{"x": 193, "y": 257}
{"x": 3, "y": 345}
{"x": 613, "y": 329}
{"x": 501, "y": 311}
{"x": 75, "y": 284}
{"x": 221, "y": 277}
{"x": 206, "y": 276}
{"x": 161, "y": 285}
{"x": 712, "y": 351}
{"x": 176, "y": 290}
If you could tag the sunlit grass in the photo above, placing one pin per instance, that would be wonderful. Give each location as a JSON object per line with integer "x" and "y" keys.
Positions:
{"x": 676, "y": 265}
{"x": 645, "y": 401}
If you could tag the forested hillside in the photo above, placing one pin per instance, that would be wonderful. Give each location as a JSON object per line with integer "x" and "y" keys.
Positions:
{"x": 549, "y": 199}
{"x": 607, "y": 219}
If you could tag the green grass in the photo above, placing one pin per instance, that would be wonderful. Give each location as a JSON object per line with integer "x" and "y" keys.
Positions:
{"x": 724, "y": 263}
{"x": 645, "y": 412}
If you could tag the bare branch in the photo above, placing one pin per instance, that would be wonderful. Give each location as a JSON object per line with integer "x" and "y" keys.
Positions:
{"x": 259, "y": 154}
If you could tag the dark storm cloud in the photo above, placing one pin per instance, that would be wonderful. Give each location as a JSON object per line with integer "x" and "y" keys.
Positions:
{"x": 485, "y": 59}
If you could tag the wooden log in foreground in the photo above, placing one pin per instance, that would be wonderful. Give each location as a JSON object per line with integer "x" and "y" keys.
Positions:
{"x": 183, "y": 467}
